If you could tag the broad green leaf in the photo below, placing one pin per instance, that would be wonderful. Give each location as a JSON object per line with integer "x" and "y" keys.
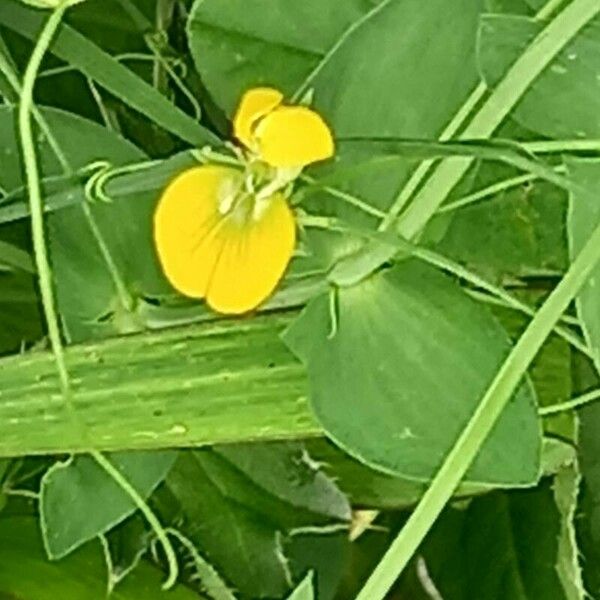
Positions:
{"x": 563, "y": 102}
{"x": 242, "y": 546}
{"x": 286, "y": 472}
{"x": 368, "y": 488}
{"x": 398, "y": 375}
{"x": 26, "y": 573}
{"x": 584, "y": 215}
{"x": 244, "y": 44}
{"x": 79, "y": 500}
{"x": 304, "y": 591}
{"x": 364, "y": 486}
{"x": 502, "y": 545}
{"x": 78, "y": 51}
{"x": 87, "y": 295}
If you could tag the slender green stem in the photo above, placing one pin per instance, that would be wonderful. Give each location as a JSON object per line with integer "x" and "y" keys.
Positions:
{"x": 457, "y": 269}
{"x": 348, "y": 198}
{"x": 489, "y": 298}
{"x": 465, "y": 450}
{"x": 486, "y": 192}
{"x": 209, "y": 578}
{"x": 164, "y": 15}
{"x": 549, "y": 42}
{"x": 548, "y": 9}
{"x": 7, "y": 69}
{"x": 161, "y": 61}
{"x": 45, "y": 275}
{"x": 104, "y": 113}
{"x": 417, "y": 177}
{"x": 143, "y": 507}
{"x": 35, "y": 195}
{"x": 553, "y": 146}
{"x": 571, "y": 404}
{"x": 125, "y": 298}
{"x": 355, "y": 26}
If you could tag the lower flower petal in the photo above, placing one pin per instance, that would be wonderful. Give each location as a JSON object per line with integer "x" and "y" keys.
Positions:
{"x": 254, "y": 257}
{"x": 188, "y": 224}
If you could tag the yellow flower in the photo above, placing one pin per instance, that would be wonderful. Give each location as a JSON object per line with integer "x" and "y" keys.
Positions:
{"x": 226, "y": 235}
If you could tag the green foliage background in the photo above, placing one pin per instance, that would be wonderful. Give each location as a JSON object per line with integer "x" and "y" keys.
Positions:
{"x": 285, "y": 450}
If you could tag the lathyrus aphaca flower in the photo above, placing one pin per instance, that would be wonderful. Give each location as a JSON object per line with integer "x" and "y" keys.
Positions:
{"x": 227, "y": 235}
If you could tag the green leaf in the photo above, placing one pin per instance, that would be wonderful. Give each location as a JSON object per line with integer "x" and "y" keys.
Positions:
{"x": 243, "y": 44}
{"x": 304, "y": 591}
{"x": 27, "y": 574}
{"x": 564, "y": 100}
{"x": 79, "y": 501}
{"x": 584, "y": 215}
{"x": 93, "y": 62}
{"x": 286, "y": 472}
{"x": 242, "y": 546}
{"x": 88, "y": 300}
{"x": 401, "y": 373}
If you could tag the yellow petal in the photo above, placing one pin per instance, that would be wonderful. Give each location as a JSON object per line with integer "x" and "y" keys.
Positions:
{"x": 188, "y": 224}
{"x": 293, "y": 136}
{"x": 254, "y": 258}
{"x": 255, "y": 103}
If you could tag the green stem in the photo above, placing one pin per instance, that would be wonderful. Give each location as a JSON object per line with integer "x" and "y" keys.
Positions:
{"x": 548, "y": 9}
{"x": 407, "y": 191}
{"x": 32, "y": 176}
{"x": 344, "y": 196}
{"x": 477, "y": 430}
{"x": 571, "y": 404}
{"x": 125, "y": 298}
{"x": 486, "y": 192}
{"x": 35, "y": 195}
{"x": 553, "y": 146}
{"x": 549, "y": 42}
{"x": 441, "y": 262}
{"x": 120, "y": 287}
{"x": 143, "y": 507}
{"x": 8, "y": 70}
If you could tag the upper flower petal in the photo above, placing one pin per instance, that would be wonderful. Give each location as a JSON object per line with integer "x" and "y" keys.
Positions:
{"x": 187, "y": 226}
{"x": 254, "y": 257}
{"x": 255, "y": 104}
{"x": 293, "y": 136}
